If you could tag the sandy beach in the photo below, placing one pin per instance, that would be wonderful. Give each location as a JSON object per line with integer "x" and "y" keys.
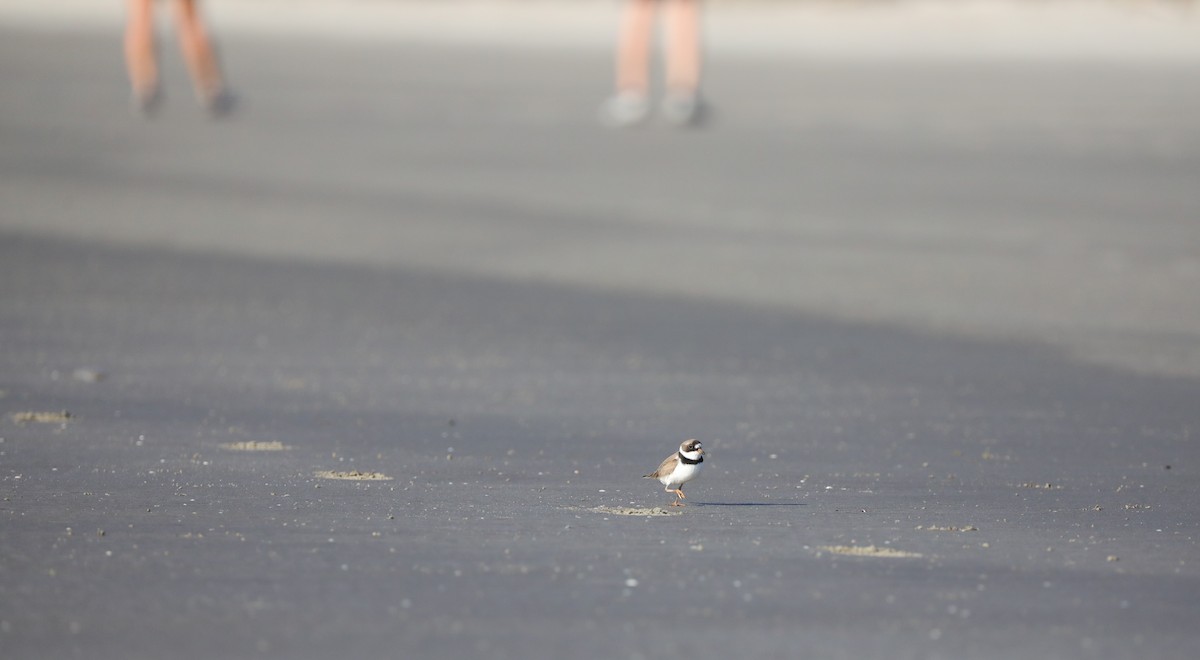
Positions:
{"x": 988, "y": 29}
{"x": 373, "y": 367}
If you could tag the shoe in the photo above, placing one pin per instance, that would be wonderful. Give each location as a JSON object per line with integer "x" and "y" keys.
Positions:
{"x": 145, "y": 103}
{"x": 624, "y": 110}
{"x": 684, "y": 109}
{"x": 219, "y": 104}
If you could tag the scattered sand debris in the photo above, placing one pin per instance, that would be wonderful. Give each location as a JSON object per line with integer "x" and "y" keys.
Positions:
{"x": 353, "y": 475}
{"x": 633, "y": 511}
{"x": 947, "y": 528}
{"x": 1040, "y": 486}
{"x": 868, "y": 551}
{"x": 60, "y": 417}
{"x": 255, "y": 445}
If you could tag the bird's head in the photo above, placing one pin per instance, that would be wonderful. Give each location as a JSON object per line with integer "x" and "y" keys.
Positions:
{"x": 692, "y": 449}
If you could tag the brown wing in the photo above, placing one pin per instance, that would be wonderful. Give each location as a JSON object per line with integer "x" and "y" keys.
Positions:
{"x": 666, "y": 467}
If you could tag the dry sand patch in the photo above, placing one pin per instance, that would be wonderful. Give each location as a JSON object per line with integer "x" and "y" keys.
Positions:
{"x": 41, "y": 417}
{"x": 634, "y": 511}
{"x": 255, "y": 445}
{"x": 869, "y": 551}
{"x": 352, "y": 475}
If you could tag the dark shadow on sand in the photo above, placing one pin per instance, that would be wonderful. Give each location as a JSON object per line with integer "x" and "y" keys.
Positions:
{"x": 749, "y": 504}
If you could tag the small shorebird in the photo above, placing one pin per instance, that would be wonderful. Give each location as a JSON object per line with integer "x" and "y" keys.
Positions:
{"x": 679, "y": 468}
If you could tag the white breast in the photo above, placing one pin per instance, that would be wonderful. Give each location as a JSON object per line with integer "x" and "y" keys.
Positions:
{"x": 683, "y": 473}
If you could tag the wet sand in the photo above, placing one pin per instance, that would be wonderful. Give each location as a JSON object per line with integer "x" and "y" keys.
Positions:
{"x": 935, "y": 323}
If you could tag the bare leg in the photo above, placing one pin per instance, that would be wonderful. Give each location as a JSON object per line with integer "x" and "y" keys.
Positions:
{"x": 629, "y": 106}
{"x": 198, "y": 51}
{"x": 140, "y": 59}
{"x": 683, "y": 45}
{"x": 683, "y": 105}
{"x": 633, "y": 48}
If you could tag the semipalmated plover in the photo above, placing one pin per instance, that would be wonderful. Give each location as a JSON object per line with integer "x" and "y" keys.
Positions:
{"x": 679, "y": 468}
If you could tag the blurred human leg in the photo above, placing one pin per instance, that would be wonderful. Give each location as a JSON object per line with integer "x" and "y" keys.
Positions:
{"x": 201, "y": 57}
{"x": 683, "y": 45}
{"x": 682, "y": 105}
{"x": 633, "y": 48}
{"x": 140, "y": 56}
{"x": 629, "y": 106}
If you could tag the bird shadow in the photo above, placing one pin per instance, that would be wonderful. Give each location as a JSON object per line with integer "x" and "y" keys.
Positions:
{"x": 749, "y": 504}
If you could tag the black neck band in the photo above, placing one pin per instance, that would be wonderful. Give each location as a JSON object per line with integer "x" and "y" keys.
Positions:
{"x": 688, "y": 461}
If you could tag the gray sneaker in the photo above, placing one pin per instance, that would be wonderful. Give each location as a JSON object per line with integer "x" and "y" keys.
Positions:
{"x": 685, "y": 109}
{"x": 624, "y": 110}
{"x": 145, "y": 103}
{"x": 219, "y": 104}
